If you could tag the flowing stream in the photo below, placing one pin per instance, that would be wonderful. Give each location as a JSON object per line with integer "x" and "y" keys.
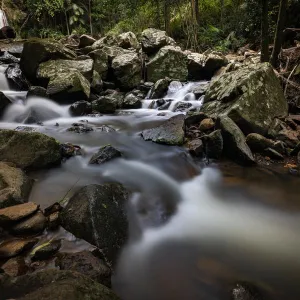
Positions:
{"x": 226, "y": 224}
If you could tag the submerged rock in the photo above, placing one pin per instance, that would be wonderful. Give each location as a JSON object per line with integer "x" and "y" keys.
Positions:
{"x": 17, "y": 212}
{"x": 169, "y": 62}
{"x": 15, "y": 187}
{"x": 170, "y": 132}
{"x": 132, "y": 101}
{"x": 105, "y": 154}
{"x": 127, "y": 69}
{"x": 105, "y": 105}
{"x": 251, "y": 96}
{"x": 154, "y": 39}
{"x": 37, "y": 51}
{"x": 96, "y": 214}
{"x": 15, "y": 75}
{"x": 235, "y": 146}
{"x": 28, "y": 149}
{"x": 80, "y": 128}
{"x": 182, "y": 106}
{"x": 54, "y": 284}
{"x": 81, "y": 108}
{"x": 87, "y": 264}
{"x": 37, "y": 91}
{"x": 14, "y": 247}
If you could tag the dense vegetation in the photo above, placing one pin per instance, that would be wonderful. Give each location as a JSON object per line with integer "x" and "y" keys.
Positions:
{"x": 198, "y": 24}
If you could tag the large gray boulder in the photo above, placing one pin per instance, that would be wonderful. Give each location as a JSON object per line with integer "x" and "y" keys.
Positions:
{"x": 54, "y": 284}
{"x": 170, "y": 132}
{"x": 37, "y": 51}
{"x": 127, "y": 69}
{"x": 154, "y": 39}
{"x": 234, "y": 142}
{"x": 169, "y": 62}
{"x": 251, "y": 96}
{"x": 28, "y": 150}
{"x": 15, "y": 186}
{"x": 128, "y": 40}
{"x": 96, "y": 214}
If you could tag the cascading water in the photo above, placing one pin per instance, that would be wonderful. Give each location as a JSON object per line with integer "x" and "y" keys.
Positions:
{"x": 195, "y": 239}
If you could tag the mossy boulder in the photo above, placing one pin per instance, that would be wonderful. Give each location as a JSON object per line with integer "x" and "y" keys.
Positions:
{"x": 97, "y": 214}
{"x": 169, "y": 133}
{"x": 251, "y": 96}
{"x": 154, "y": 39}
{"x": 37, "y": 51}
{"x": 105, "y": 105}
{"x": 127, "y": 69}
{"x": 28, "y": 150}
{"x": 128, "y": 40}
{"x": 54, "y": 284}
{"x": 169, "y": 62}
{"x": 15, "y": 186}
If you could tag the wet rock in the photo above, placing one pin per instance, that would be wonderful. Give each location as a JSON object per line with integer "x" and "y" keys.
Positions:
{"x": 15, "y": 267}
{"x": 273, "y": 154}
{"x": 14, "y": 247}
{"x": 146, "y": 86}
{"x": 258, "y": 143}
{"x": 235, "y": 146}
{"x": 196, "y": 147}
{"x": 37, "y": 91}
{"x": 16, "y": 49}
{"x": 38, "y": 150}
{"x": 15, "y": 187}
{"x": 26, "y": 129}
{"x": 246, "y": 292}
{"x": 153, "y": 39}
{"x": 128, "y": 40}
{"x": 97, "y": 83}
{"x": 105, "y": 154}
{"x": 207, "y": 124}
{"x": 162, "y": 104}
{"x": 105, "y": 128}
{"x": 132, "y": 101}
{"x": 8, "y": 58}
{"x": 214, "y": 144}
{"x": 87, "y": 264}
{"x": 200, "y": 89}
{"x": 182, "y": 106}
{"x": 159, "y": 89}
{"x": 46, "y": 250}
{"x": 86, "y": 40}
{"x": 56, "y": 207}
{"x": 53, "y": 68}
{"x": 54, "y": 284}
{"x": 127, "y": 70}
{"x": 17, "y": 212}
{"x": 80, "y": 128}
{"x": 280, "y": 147}
{"x": 37, "y": 51}
{"x": 53, "y": 221}
{"x": 251, "y": 96}
{"x": 296, "y": 150}
{"x": 170, "y": 132}
{"x": 96, "y": 214}
{"x": 169, "y": 62}
{"x": 15, "y": 76}
{"x": 4, "y": 103}
{"x": 115, "y": 94}
{"x": 105, "y": 105}
{"x": 193, "y": 118}
{"x": 69, "y": 150}
{"x": 32, "y": 225}
{"x": 81, "y": 108}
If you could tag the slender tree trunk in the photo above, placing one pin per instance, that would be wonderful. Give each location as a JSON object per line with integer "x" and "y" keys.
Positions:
{"x": 157, "y": 3}
{"x": 264, "y": 32}
{"x": 167, "y": 16}
{"x": 195, "y": 11}
{"x": 90, "y": 17}
{"x": 279, "y": 32}
{"x": 67, "y": 22}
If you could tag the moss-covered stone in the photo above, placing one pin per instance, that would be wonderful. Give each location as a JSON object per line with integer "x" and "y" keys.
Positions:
{"x": 170, "y": 132}
{"x": 28, "y": 149}
{"x": 251, "y": 96}
{"x": 37, "y": 51}
{"x": 169, "y": 62}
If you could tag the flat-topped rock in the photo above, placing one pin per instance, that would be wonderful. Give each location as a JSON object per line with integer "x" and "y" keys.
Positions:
{"x": 14, "y": 247}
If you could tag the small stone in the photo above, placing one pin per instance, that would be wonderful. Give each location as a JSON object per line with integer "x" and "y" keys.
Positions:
{"x": 37, "y": 91}
{"x": 32, "y": 225}
{"x": 207, "y": 124}
{"x": 17, "y": 212}
{"x": 14, "y": 247}
{"x": 56, "y": 207}
{"x": 183, "y": 106}
{"x": 105, "y": 105}
{"x": 279, "y": 146}
{"x": 46, "y": 250}
{"x": 80, "y": 128}
{"x": 196, "y": 147}
{"x": 193, "y": 118}
{"x": 258, "y": 143}
{"x": 54, "y": 221}
{"x": 214, "y": 144}
{"x": 104, "y": 155}
{"x": 131, "y": 102}
{"x": 15, "y": 267}
{"x": 81, "y": 108}
{"x": 159, "y": 89}
{"x": 273, "y": 154}
{"x": 68, "y": 150}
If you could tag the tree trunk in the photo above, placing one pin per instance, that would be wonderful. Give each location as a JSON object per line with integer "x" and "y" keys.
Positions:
{"x": 279, "y": 32}
{"x": 67, "y": 22}
{"x": 167, "y": 16}
{"x": 264, "y": 32}
{"x": 195, "y": 11}
{"x": 90, "y": 17}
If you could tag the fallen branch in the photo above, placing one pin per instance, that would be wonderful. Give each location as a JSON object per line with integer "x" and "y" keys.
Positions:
{"x": 288, "y": 79}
